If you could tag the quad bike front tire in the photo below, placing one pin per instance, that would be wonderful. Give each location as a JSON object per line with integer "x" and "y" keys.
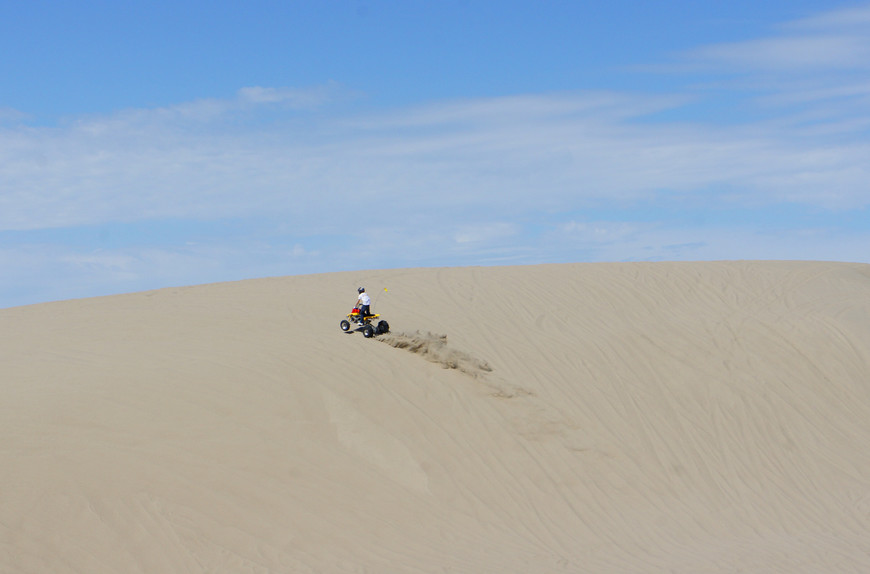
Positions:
{"x": 345, "y": 325}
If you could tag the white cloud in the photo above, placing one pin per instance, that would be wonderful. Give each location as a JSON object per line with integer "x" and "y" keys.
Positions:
{"x": 291, "y": 97}
{"x": 540, "y": 153}
{"x": 790, "y": 54}
{"x": 524, "y": 109}
{"x": 10, "y": 115}
{"x": 846, "y": 19}
{"x": 828, "y": 42}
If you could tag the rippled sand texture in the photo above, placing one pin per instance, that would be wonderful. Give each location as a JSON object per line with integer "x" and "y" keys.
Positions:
{"x": 632, "y": 417}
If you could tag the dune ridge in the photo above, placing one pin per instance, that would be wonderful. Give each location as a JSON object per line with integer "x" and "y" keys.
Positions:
{"x": 698, "y": 417}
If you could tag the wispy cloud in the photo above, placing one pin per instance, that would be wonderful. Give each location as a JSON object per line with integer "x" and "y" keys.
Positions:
{"x": 789, "y": 54}
{"x": 305, "y": 99}
{"x": 856, "y": 18}
{"x": 549, "y": 153}
{"x": 10, "y": 115}
{"x": 833, "y": 41}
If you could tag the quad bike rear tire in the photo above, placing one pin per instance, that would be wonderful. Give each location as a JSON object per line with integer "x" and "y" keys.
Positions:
{"x": 383, "y": 327}
{"x": 368, "y": 331}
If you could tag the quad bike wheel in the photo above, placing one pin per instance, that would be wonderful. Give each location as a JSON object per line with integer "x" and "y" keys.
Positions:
{"x": 368, "y": 331}
{"x": 383, "y": 327}
{"x": 345, "y": 325}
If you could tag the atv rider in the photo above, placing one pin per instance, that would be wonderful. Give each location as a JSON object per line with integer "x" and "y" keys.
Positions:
{"x": 364, "y": 304}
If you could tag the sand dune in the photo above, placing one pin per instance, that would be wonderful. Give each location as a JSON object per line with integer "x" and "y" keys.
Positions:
{"x": 639, "y": 417}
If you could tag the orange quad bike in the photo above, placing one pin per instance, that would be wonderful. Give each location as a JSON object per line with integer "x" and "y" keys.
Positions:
{"x": 368, "y": 329}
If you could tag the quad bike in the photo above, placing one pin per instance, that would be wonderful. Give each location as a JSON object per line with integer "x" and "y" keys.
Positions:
{"x": 368, "y": 330}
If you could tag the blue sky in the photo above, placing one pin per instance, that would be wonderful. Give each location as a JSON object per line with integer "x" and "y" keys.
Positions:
{"x": 154, "y": 144}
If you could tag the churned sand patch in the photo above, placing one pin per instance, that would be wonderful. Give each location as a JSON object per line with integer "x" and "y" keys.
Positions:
{"x": 434, "y": 348}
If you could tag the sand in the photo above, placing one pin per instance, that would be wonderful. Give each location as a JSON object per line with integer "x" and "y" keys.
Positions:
{"x": 631, "y": 417}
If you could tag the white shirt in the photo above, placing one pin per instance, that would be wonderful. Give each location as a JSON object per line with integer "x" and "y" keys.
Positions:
{"x": 364, "y": 299}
